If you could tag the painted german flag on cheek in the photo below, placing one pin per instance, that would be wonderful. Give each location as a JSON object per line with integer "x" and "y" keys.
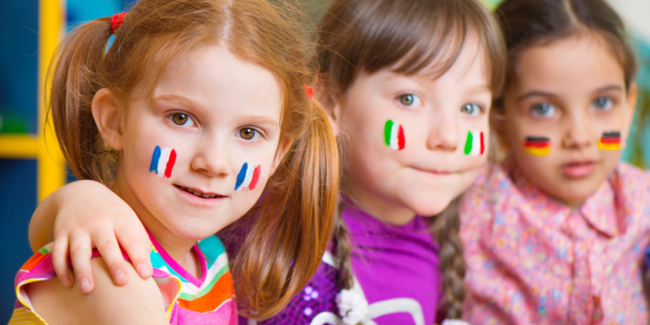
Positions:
{"x": 537, "y": 146}
{"x": 610, "y": 141}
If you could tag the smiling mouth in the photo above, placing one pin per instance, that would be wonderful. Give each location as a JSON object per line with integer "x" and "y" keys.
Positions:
{"x": 199, "y": 193}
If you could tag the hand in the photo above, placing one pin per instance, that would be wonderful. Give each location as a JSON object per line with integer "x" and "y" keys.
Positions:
{"x": 89, "y": 215}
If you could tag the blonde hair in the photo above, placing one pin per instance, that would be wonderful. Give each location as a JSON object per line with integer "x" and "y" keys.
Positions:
{"x": 284, "y": 246}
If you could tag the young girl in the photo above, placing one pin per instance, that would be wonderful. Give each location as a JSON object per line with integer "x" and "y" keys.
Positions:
{"x": 187, "y": 116}
{"x": 555, "y": 234}
{"x": 409, "y": 85}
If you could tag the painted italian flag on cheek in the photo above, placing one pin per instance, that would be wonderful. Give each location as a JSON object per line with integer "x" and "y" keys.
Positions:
{"x": 475, "y": 144}
{"x": 394, "y": 135}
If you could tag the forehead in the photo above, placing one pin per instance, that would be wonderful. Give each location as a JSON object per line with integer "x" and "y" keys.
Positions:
{"x": 571, "y": 63}
{"x": 212, "y": 76}
{"x": 466, "y": 62}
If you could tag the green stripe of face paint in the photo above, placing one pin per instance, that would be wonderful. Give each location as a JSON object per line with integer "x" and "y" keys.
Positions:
{"x": 468, "y": 143}
{"x": 388, "y": 127}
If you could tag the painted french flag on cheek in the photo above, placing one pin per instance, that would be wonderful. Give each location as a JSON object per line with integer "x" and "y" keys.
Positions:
{"x": 248, "y": 177}
{"x": 163, "y": 161}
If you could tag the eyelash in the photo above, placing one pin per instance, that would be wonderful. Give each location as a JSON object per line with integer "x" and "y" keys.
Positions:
{"x": 188, "y": 119}
{"x": 480, "y": 108}
{"x": 258, "y": 133}
{"x": 416, "y": 100}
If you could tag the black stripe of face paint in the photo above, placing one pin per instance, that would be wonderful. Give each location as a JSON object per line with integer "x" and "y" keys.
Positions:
{"x": 612, "y": 135}
{"x": 537, "y": 139}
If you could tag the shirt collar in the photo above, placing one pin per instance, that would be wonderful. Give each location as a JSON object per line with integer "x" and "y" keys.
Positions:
{"x": 599, "y": 209}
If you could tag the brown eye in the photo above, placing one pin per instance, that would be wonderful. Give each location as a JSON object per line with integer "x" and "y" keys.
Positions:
{"x": 247, "y": 133}
{"x": 180, "y": 118}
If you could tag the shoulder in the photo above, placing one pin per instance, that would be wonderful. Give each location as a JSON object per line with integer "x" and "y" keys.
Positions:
{"x": 137, "y": 302}
{"x": 633, "y": 175}
{"x": 491, "y": 185}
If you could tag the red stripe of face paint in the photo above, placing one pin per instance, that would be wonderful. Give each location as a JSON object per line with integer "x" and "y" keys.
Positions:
{"x": 609, "y": 140}
{"x": 482, "y": 144}
{"x": 400, "y": 138}
{"x": 537, "y": 144}
{"x": 170, "y": 164}
{"x": 256, "y": 177}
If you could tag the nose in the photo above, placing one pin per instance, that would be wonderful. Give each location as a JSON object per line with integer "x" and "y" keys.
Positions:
{"x": 212, "y": 157}
{"x": 578, "y": 132}
{"x": 443, "y": 132}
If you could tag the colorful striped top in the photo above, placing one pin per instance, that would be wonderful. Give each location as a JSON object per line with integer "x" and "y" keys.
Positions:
{"x": 208, "y": 300}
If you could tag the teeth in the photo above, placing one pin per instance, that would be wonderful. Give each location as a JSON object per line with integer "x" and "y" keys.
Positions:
{"x": 197, "y": 193}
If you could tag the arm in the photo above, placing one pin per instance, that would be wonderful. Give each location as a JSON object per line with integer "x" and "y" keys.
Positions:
{"x": 83, "y": 215}
{"x": 138, "y": 302}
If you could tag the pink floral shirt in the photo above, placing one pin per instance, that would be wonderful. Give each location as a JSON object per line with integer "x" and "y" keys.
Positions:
{"x": 533, "y": 260}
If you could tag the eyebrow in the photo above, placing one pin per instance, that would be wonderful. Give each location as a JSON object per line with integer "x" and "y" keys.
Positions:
{"x": 176, "y": 99}
{"x": 537, "y": 93}
{"x": 255, "y": 119}
{"x": 261, "y": 120}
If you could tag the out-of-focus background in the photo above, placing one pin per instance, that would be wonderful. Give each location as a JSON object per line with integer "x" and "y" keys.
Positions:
{"x": 31, "y": 167}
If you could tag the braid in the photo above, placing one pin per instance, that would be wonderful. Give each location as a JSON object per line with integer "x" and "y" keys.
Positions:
{"x": 446, "y": 230}
{"x": 343, "y": 250}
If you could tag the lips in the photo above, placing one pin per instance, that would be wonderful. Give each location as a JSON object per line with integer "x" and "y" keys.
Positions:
{"x": 578, "y": 169}
{"x": 198, "y": 193}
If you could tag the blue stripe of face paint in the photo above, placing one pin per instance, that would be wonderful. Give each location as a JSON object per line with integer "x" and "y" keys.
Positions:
{"x": 154, "y": 160}
{"x": 241, "y": 176}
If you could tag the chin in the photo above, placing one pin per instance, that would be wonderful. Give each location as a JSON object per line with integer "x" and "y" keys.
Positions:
{"x": 430, "y": 207}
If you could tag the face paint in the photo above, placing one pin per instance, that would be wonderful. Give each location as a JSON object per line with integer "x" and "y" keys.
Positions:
{"x": 537, "y": 146}
{"x": 163, "y": 161}
{"x": 394, "y": 135}
{"x": 475, "y": 144}
{"x": 610, "y": 141}
{"x": 248, "y": 177}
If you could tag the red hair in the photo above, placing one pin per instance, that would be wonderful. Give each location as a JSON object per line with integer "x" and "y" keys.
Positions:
{"x": 284, "y": 246}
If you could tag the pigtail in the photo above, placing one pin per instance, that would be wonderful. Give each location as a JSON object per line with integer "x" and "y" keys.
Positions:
{"x": 343, "y": 251}
{"x": 446, "y": 229}
{"x": 75, "y": 81}
{"x": 301, "y": 200}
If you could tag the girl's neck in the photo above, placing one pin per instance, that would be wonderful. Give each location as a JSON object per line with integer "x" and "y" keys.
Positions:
{"x": 381, "y": 209}
{"x": 178, "y": 248}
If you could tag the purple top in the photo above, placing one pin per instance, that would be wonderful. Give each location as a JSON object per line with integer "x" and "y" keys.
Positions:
{"x": 390, "y": 262}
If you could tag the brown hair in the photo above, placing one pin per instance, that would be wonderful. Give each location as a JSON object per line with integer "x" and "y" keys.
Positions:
{"x": 526, "y": 23}
{"x": 408, "y": 37}
{"x": 285, "y": 244}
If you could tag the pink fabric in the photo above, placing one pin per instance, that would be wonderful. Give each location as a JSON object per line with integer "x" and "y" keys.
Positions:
{"x": 533, "y": 260}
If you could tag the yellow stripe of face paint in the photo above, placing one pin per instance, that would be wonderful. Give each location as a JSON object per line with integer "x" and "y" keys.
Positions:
{"x": 537, "y": 151}
{"x": 609, "y": 146}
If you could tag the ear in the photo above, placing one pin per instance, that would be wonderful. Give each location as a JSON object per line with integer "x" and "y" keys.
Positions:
{"x": 107, "y": 116}
{"x": 631, "y": 102}
{"x": 329, "y": 100}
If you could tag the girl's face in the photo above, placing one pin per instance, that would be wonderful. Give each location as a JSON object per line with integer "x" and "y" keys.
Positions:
{"x": 217, "y": 113}
{"x": 435, "y": 116}
{"x": 570, "y": 91}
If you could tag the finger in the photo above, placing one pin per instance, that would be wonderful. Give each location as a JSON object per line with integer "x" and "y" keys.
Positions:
{"x": 110, "y": 250}
{"x": 80, "y": 254}
{"x": 60, "y": 261}
{"x": 135, "y": 241}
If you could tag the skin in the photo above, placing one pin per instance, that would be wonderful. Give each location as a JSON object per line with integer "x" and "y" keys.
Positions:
{"x": 203, "y": 108}
{"x": 570, "y": 90}
{"x": 393, "y": 186}
{"x": 436, "y": 114}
